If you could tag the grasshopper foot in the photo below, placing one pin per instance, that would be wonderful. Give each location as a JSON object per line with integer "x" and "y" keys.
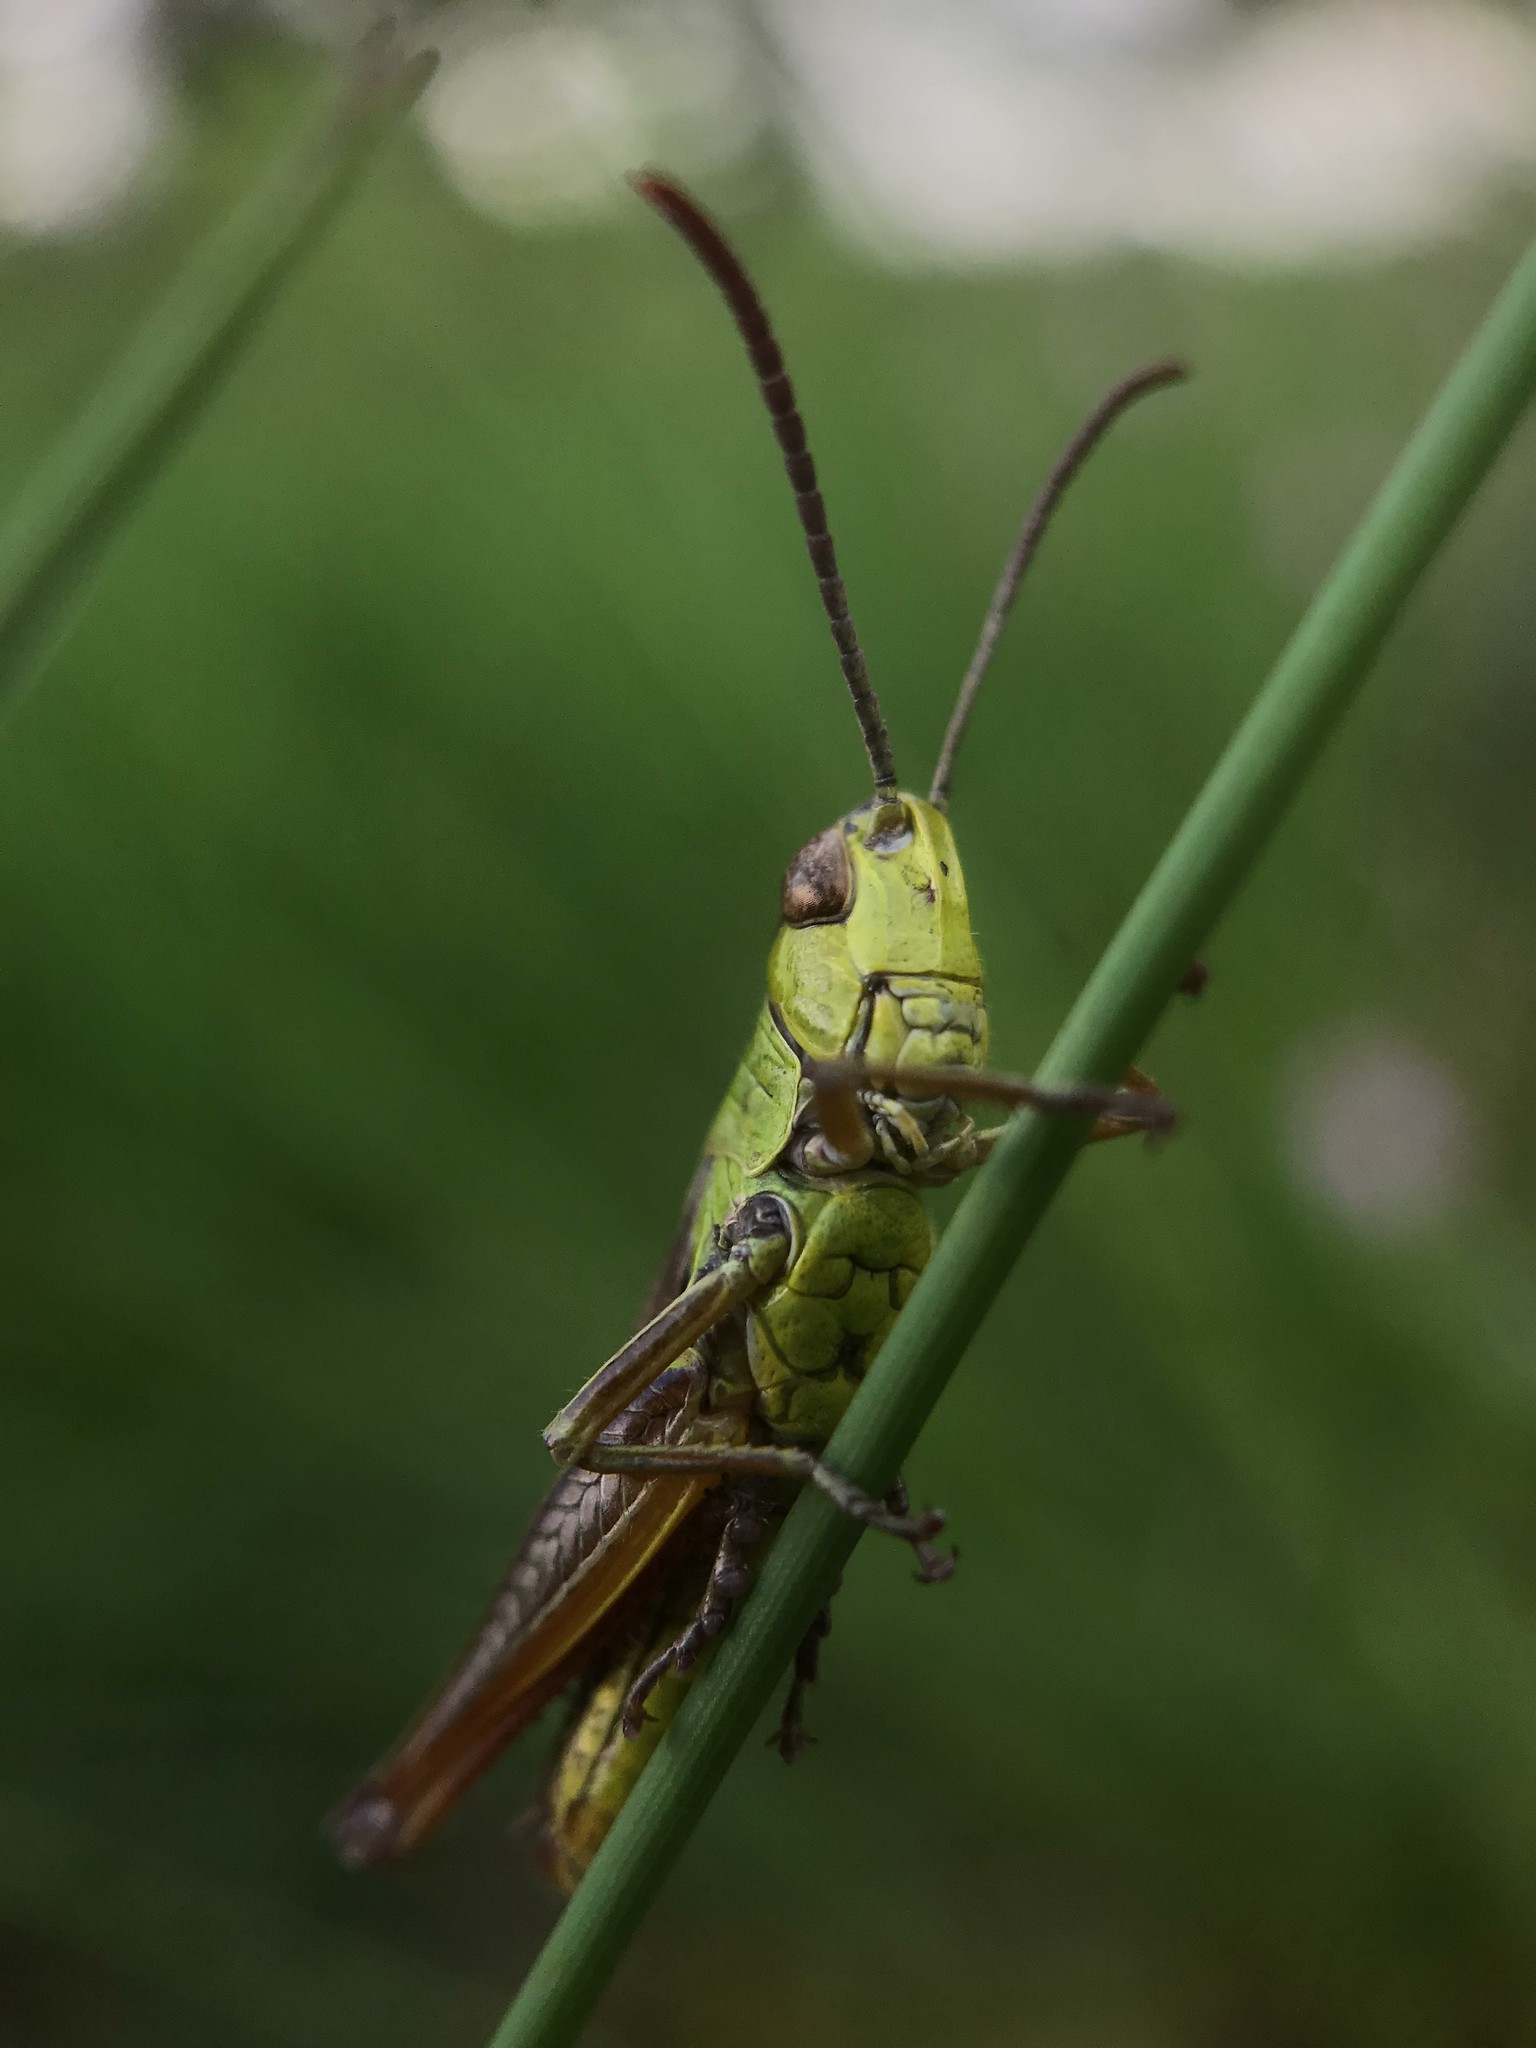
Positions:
{"x": 933, "y": 1566}
{"x": 792, "y": 1738}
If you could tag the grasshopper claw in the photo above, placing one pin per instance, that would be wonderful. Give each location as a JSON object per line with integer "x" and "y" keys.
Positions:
{"x": 934, "y": 1566}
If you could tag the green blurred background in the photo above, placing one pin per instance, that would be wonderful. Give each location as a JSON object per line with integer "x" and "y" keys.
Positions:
{"x": 387, "y": 860}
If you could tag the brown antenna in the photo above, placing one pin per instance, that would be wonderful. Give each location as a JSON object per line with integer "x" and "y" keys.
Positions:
{"x": 724, "y": 266}
{"x": 1098, "y": 423}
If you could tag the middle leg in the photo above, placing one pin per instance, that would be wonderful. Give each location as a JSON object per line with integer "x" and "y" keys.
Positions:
{"x": 729, "y": 1578}
{"x": 933, "y": 1566}
{"x": 792, "y": 1736}
{"x": 768, "y": 1461}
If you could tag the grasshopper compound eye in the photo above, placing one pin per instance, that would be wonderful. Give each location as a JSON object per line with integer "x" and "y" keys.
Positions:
{"x": 818, "y": 887}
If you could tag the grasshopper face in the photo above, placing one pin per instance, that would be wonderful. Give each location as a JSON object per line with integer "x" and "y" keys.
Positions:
{"x": 876, "y": 958}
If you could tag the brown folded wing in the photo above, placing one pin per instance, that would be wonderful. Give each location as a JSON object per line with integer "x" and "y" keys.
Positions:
{"x": 590, "y": 1541}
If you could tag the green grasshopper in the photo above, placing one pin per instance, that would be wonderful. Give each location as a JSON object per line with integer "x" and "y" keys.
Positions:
{"x": 802, "y": 1235}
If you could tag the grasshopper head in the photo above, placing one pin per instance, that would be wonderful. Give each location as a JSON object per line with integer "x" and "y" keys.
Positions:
{"x": 876, "y": 958}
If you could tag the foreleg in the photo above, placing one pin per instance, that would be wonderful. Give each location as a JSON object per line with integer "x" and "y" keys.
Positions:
{"x": 847, "y": 1139}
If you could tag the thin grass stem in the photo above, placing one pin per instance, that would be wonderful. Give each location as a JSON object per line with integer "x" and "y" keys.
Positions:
{"x": 87, "y": 483}
{"x": 1211, "y": 854}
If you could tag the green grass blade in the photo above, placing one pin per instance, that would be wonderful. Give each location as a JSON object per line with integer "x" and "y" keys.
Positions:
{"x": 1265, "y": 763}
{"x": 54, "y": 533}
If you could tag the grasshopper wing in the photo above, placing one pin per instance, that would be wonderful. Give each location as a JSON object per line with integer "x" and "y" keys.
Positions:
{"x": 592, "y": 1538}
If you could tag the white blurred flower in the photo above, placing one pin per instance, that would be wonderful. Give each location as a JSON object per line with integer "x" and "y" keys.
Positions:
{"x": 1093, "y": 26}
{"x": 338, "y": 23}
{"x": 941, "y": 131}
{"x": 938, "y": 131}
{"x": 82, "y": 106}
{"x": 1380, "y": 1132}
{"x": 539, "y": 121}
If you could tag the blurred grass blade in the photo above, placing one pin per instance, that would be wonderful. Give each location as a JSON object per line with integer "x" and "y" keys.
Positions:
{"x": 1266, "y": 761}
{"x": 87, "y": 482}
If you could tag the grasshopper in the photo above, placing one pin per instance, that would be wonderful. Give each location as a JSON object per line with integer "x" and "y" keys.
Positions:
{"x": 802, "y": 1235}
